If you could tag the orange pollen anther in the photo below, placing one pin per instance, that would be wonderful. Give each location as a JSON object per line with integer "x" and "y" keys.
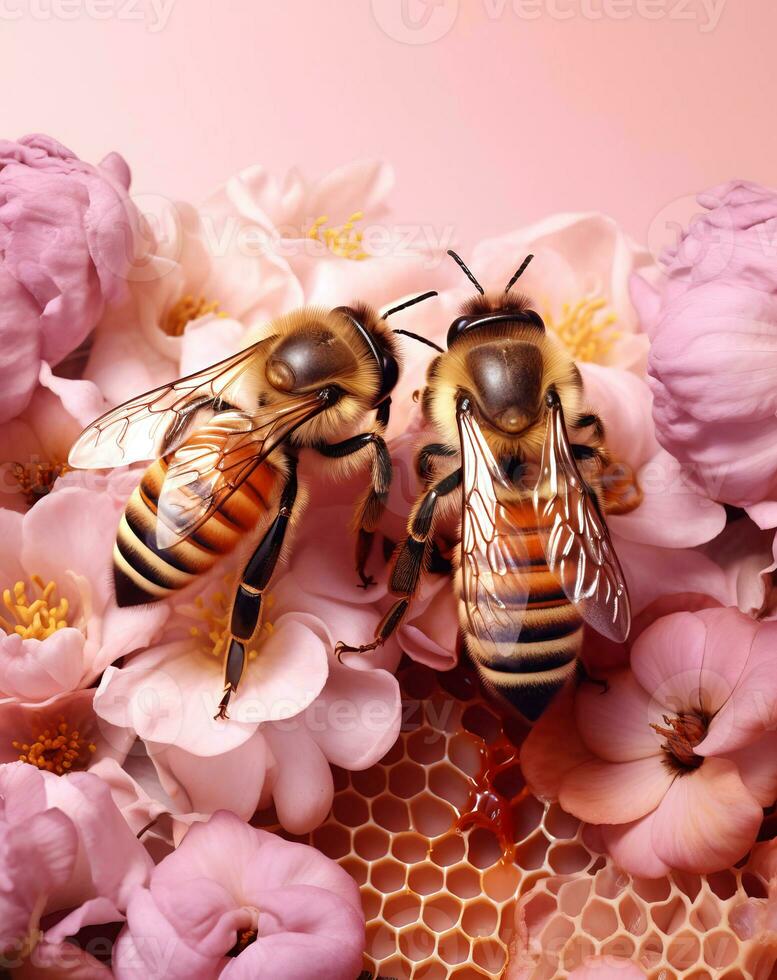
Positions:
{"x": 188, "y": 308}
{"x": 683, "y": 733}
{"x": 37, "y": 479}
{"x": 344, "y": 241}
{"x": 584, "y": 328}
{"x": 34, "y": 618}
{"x": 58, "y": 749}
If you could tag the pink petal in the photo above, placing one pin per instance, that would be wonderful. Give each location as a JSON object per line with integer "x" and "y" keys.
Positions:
{"x": 288, "y": 674}
{"x": 61, "y": 961}
{"x": 667, "y": 660}
{"x": 615, "y": 724}
{"x": 553, "y": 748}
{"x": 624, "y": 404}
{"x": 301, "y": 781}
{"x": 137, "y": 807}
{"x": 170, "y": 693}
{"x": 631, "y": 847}
{"x": 672, "y": 513}
{"x": 22, "y": 792}
{"x": 615, "y": 792}
{"x": 653, "y": 573}
{"x": 707, "y": 821}
{"x": 430, "y": 632}
{"x": 359, "y": 186}
{"x": 96, "y": 911}
{"x": 752, "y": 707}
{"x": 36, "y": 670}
{"x": 757, "y": 767}
{"x": 111, "y": 860}
{"x": 232, "y": 780}
{"x": 356, "y": 719}
{"x": 311, "y": 933}
{"x": 159, "y": 953}
{"x": 272, "y": 867}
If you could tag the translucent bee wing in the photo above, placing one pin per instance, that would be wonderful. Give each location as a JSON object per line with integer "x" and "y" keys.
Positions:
{"x": 207, "y": 469}
{"x": 157, "y": 422}
{"x": 577, "y": 543}
{"x": 492, "y": 547}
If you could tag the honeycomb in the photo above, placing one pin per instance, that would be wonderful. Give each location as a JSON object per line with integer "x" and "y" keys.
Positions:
{"x": 443, "y": 837}
{"x": 681, "y": 926}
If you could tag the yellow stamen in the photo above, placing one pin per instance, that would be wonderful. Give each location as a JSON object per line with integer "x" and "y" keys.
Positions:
{"x": 585, "y": 329}
{"x": 215, "y": 613}
{"x": 36, "y": 618}
{"x": 188, "y": 308}
{"x": 58, "y": 749}
{"x": 345, "y": 241}
{"x": 36, "y": 479}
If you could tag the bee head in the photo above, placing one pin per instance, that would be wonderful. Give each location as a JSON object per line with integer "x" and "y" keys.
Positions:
{"x": 492, "y": 309}
{"x": 380, "y": 347}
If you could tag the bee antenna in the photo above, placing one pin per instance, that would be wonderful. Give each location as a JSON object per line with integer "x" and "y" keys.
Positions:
{"x": 410, "y": 302}
{"x": 460, "y": 262}
{"x": 518, "y": 273}
{"x": 424, "y": 340}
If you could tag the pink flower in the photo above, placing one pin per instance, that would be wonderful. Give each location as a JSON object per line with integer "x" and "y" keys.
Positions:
{"x": 60, "y": 626}
{"x": 297, "y": 710}
{"x": 654, "y": 540}
{"x": 579, "y": 282}
{"x": 62, "y": 735}
{"x": 35, "y": 445}
{"x": 66, "y": 231}
{"x": 676, "y": 759}
{"x": 233, "y": 901}
{"x": 714, "y": 345}
{"x": 66, "y": 850}
{"x": 189, "y": 303}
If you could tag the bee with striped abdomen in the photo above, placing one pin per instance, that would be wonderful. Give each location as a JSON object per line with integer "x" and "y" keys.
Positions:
{"x": 516, "y": 500}
{"x": 227, "y": 441}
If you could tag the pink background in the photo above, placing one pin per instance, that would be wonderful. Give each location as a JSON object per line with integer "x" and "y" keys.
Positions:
{"x": 500, "y": 121}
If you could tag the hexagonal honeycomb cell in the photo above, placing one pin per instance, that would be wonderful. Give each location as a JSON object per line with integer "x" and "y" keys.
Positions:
{"x": 445, "y": 843}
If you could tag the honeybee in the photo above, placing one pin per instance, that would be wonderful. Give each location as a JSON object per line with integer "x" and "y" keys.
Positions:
{"x": 517, "y": 472}
{"x": 226, "y": 443}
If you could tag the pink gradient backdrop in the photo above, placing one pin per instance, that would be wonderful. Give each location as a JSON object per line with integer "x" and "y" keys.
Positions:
{"x": 499, "y": 122}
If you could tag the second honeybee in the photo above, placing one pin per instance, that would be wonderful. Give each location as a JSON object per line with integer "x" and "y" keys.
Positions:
{"x": 513, "y": 493}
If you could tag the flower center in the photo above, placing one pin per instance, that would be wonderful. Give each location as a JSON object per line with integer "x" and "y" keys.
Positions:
{"x": 345, "y": 241}
{"x": 58, "y": 749}
{"x": 244, "y": 939}
{"x": 36, "y": 618}
{"x": 682, "y": 733}
{"x": 585, "y": 329}
{"x": 185, "y": 310}
{"x": 215, "y": 615}
{"x": 36, "y": 479}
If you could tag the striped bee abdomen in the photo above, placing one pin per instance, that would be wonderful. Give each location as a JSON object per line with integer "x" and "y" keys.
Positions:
{"x": 533, "y": 642}
{"x": 143, "y": 572}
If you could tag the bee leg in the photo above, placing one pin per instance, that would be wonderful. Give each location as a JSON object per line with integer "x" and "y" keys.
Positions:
{"x": 408, "y": 563}
{"x": 424, "y": 463}
{"x": 374, "y": 500}
{"x": 247, "y": 606}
